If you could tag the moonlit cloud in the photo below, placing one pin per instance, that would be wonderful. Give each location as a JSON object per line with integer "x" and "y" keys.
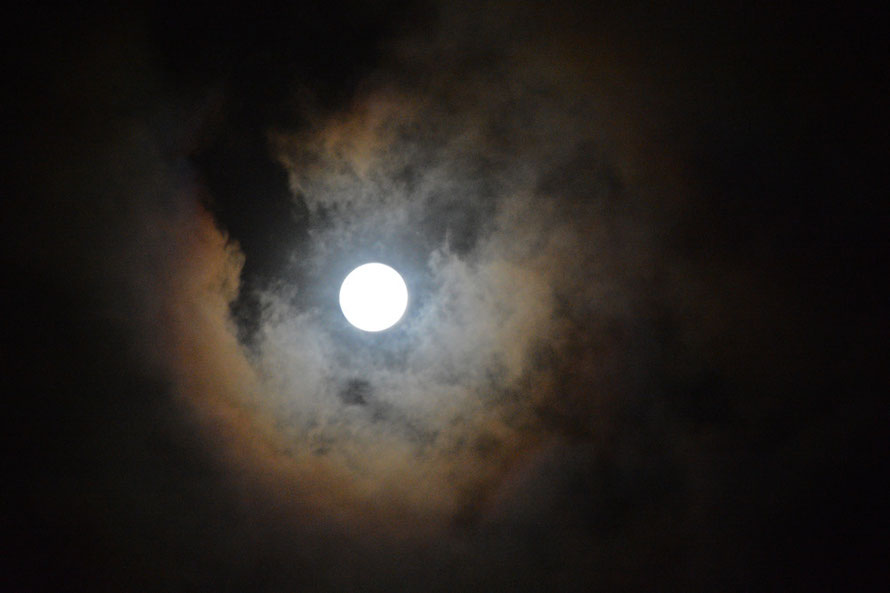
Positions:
{"x": 613, "y": 372}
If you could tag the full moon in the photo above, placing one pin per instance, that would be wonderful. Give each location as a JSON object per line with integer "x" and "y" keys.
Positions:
{"x": 373, "y": 297}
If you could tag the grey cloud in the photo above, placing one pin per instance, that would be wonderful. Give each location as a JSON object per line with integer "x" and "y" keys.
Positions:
{"x": 574, "y": 400}
{"x": 526, "y": 239}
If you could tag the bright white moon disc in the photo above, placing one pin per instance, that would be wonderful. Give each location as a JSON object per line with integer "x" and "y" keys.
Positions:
{"x": 373, "y": 297}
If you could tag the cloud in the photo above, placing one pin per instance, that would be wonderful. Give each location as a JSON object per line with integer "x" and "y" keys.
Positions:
{"x": 530, "y": 247}
{"x": 576, "y": 398}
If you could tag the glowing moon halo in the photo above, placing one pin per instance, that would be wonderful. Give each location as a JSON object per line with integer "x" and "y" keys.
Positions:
{"x": 373, "y": 297}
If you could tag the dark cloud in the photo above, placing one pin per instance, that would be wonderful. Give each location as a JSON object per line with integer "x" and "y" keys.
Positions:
{"x": 641, "y": 347}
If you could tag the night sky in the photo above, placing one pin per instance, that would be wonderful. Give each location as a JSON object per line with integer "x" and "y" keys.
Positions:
{"x": 646, "y": 342}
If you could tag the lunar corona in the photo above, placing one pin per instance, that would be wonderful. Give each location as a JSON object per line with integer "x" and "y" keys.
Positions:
{"x": 373, "y": 297}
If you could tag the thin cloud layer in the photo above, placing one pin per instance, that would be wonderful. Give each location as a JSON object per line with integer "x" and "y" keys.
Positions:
{"x": 592, "y": 387}
{"x": 471, "y": 189}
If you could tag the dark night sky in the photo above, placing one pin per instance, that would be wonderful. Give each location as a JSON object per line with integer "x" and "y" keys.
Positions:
{"x": 646, "y": 343}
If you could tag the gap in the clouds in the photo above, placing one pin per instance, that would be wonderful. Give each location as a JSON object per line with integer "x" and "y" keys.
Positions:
{"x": 356, "y": 392}
{"x": 265, "y": 78}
